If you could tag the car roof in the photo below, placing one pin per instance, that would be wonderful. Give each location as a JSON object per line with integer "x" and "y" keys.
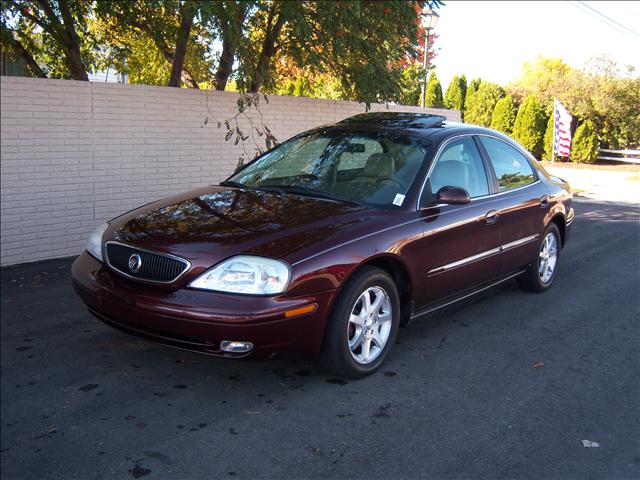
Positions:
{"x": 423, "y": 124}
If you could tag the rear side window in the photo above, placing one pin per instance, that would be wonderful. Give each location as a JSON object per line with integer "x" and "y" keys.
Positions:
{"x": 512, "y": 167}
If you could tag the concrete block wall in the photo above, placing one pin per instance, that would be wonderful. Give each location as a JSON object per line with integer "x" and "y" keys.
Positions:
{"x": 74, "y": 154}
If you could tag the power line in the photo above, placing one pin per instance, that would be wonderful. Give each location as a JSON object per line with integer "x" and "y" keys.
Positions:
{"x": 608, "y": 18}
{"x": 592, "y": 15}
{"x": 621, "y": 6}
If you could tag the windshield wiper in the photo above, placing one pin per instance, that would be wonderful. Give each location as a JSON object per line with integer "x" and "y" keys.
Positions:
{"x": 233, "y": 183}
{"x": 309, "y": 192}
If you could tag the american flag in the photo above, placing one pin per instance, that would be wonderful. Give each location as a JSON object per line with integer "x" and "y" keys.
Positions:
{"x": 561, "y": 130}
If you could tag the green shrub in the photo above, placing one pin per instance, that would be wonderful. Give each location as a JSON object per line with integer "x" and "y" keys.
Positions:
{"x": 479, "y": 105}
{"x": 475, "y": 83}
{"x": 529, "y": 127}
{"x": 504, "y": 115}
{"x": 585, "y": 144}
{"x": 433, "y": 96}
{"x": 548, "y": 140}
{"x": 456, "y": 92}
{"x": 410, "y": 88}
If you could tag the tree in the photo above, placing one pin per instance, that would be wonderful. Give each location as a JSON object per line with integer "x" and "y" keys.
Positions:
{"x": 228, "y": 18}
{"x": 456, "y": 93}
{"x": 433, "y": 93}
{"x": 289, "y": 79}
{"x": 363, "y": 44}
{"x": 480, "y": 104}
{"x": 530, "y": 125}
{"x": 410, "y": 90}
{"x": 16, "y": 50}
{"x": 469, "y": 98}
{"x": 602, "y": 92}
{"x": 548, "y": 139}
{"x": 474, "y": 84}
{"x": 50, "y": 32}
{"x": 544, "y": 79}
{"x": 609, "y": 97}
{"x": 168, "y": 24}
{"x": 504, "y": 115}
{"x": 585, "y": 144}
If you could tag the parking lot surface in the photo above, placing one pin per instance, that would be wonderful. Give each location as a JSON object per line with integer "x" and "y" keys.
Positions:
{"x": 508, "y": 385}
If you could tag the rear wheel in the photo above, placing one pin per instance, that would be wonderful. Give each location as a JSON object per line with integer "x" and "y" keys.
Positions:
{"x": 540, "y": 275}
{"x": 363, "y": 325}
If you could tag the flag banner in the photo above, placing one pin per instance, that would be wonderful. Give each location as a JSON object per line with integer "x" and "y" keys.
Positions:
{"x": 561, "y": 130}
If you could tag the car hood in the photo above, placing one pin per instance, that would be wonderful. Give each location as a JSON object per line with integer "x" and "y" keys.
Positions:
{"x": 206, "y": 226}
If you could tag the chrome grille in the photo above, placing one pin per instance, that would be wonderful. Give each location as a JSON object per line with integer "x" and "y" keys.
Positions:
{"x": 153, "y": 267}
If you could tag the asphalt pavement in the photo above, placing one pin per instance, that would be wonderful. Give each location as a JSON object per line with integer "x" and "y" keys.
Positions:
{"x": 508, "y": 385}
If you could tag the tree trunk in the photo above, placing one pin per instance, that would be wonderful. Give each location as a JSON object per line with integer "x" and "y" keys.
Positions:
{"x": 74, "y": 63}
{"x": 225, "y": 66}
{"x": 71, "y": 45}
{"x": 68, "y": 38}
{"x": 231, "y": 36}
{"x": 268, "y": 50}
{"x": 187, "y": 77}
{"x": 182, "y": 41}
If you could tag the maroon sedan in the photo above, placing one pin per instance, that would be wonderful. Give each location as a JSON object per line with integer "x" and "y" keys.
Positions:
{"x": 328, "y": 243}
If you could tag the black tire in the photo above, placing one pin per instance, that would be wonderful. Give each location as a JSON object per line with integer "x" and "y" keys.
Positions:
{"x": 531, "y": 280}
{"x": 337, "y": 357}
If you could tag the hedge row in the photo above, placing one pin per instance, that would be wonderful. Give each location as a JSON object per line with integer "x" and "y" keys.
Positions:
{"x": 487, "y": 104}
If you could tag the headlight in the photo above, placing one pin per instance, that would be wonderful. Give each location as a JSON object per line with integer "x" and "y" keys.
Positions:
{"x": 246, "y": 274}
{"x": 94, "y": 244}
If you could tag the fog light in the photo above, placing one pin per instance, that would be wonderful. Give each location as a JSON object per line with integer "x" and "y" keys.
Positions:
{"x": 235, "y": 347}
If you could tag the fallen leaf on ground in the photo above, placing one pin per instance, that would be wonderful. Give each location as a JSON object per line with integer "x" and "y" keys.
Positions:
{"x": 537, "y": 365}
{"x": 590, "y": 444}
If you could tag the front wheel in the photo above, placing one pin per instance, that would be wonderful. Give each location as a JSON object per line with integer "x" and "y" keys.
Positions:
{"x": 540, "y": 275}
{"x": 364, "y": 324}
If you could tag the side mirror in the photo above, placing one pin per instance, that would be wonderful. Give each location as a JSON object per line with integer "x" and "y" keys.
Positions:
{"x": 453, "y": 196}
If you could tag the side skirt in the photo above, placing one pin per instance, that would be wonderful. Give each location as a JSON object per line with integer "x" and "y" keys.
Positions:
{"x": 437, "y": 306}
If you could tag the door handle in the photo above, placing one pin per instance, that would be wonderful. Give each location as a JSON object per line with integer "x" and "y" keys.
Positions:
{"x": 544, "y": 201}
{"x": 491, "y": 217}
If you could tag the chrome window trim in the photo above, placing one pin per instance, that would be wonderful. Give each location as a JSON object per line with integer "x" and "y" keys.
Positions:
{"x": 462, "y": 135}
{"x": 481, "y": 255}
{"x": 187, "y": 263}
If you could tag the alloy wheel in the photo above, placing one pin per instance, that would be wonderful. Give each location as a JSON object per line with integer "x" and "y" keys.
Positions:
{"x": 548, "y": 258}
{"x": 369, "y": 325}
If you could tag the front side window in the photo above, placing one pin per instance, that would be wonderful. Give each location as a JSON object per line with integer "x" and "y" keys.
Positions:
{"x": 373, "y": 168}
{"x": 460, "y": 165}
{"x": 512, "y": 167}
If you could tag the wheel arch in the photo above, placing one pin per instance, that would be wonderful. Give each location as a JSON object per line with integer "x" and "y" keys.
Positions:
{"x": 561, "y": 223}
{"x": 399, "y": 272}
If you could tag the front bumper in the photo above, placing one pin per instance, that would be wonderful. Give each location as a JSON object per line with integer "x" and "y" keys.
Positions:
{"x": 198, "y": 320}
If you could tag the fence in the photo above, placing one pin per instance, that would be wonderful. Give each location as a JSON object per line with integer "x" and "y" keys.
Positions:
{"x": 74, "y": 154}
{"x": 627, "y": 156}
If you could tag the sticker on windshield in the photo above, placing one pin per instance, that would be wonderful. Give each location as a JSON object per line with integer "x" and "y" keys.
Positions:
{"x": 399, "y": 199}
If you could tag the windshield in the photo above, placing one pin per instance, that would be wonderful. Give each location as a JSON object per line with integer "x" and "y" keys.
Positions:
{"x": 374, "y": 168}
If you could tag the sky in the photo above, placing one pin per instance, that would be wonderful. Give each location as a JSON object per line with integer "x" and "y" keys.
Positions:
{"x": 491, "y": 39}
